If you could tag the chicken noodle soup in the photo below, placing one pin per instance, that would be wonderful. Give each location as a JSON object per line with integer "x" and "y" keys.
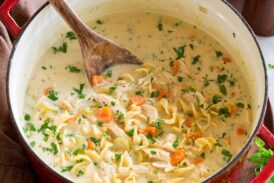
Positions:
{"x": 180, "y": 117}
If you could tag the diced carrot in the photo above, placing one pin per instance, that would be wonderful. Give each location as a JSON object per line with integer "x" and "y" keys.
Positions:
{"x": 192, "y": 37}
{"x": 241, "y": 131}
{"x": 140, "y": 131}
{"x": 177, "y": 156}
{"x": 175, "y": 67}
{"x": 73, "y": 118}
{"x": 195, "y": 135}
{"x": 153, "y": 85}
{"x": 97, "y": 80}
{"x": 232, "y": 109}
{"x": 90, "y": 145}
{"x": 189, "y": 121}
{"x": 48, "y": 90}
{"x": 137, "y": 100}
{"x": 164, "y": 93}
{"x": 104, "y": 114}
{"x": 198, "y": 160}
{"x": 226, "y": 59}
{"x": 151, "y": 131}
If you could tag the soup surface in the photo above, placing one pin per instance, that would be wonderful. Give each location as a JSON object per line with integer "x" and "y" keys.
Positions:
{"x": 180, "y": 117}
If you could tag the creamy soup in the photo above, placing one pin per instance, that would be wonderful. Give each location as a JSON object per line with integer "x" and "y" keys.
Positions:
{"x": 180, "y": 117}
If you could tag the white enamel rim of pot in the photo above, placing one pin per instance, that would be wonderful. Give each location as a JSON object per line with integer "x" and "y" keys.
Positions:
{"x": 216, "y": 17}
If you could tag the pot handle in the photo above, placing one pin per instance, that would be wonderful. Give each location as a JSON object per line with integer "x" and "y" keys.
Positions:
{"x": 268, "y": 170}
{"x": 6, "y": 18}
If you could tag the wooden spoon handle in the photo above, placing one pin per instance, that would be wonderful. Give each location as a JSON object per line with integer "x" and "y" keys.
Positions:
{"x": 77, "y": 25}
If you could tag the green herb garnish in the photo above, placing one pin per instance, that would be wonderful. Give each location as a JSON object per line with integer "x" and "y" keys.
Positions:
{"x": 66, "y": 169}
{"x": 180, "y": 52}
{"x": 32, "y": 144}
{"x": 27, "y": 117}
{"x": 219, "y": 54}
{"x": 261, "y": 157}
{"x": 216, "y": 99}
{"x": 117, "y": 157}
{"x": 221, "y": 78}
{"x": 109, "y": 73}
{"x": 176, "y": 143}
{"x": 99, "y": 22}
{"x": 72, "y": 69}
{"x": 196, "y": 59}
{"x": 54, "y": 148}
{"x": 160, "y": 25}
{"x": 112, "y": 89}
{"x": 70, "y": 35}
{"x": 130, "y": 132}
{"x": 95, "y": 141}
{"x": 227, "y": 155}
{"x": 80, "y": 91}
{"x": 224, "y": 112}
{"x": 53, "y": 95}
{"x": 63, "y": 48}
{"x": 222, "y": 89}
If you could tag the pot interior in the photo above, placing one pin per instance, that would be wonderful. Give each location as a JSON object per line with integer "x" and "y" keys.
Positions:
{"x": 214, "y": 17}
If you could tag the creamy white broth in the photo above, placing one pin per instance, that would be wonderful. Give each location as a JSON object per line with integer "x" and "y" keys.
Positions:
{"x": 197, "y": 105}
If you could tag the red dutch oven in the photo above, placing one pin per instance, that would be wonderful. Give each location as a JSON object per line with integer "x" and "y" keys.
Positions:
{"x": 216, "y": 17}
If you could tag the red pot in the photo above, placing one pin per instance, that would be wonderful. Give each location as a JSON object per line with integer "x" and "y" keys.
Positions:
{"x": 219, "y": 17}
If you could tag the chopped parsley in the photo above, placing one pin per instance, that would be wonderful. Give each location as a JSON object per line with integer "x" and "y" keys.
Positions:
{"x": 117, "y": 157}
{"x": 271, "y": 66}
{"x": 221, "y": 78}
{"x": 227, "y": 155}
{"x": 180, "y": 52}
{"x": 261, "y": 156}
{"x": 207, "y": 81}
{"x": 67, "y": 168}
{"x": 79, "y": 173}
{"x": 78, "y": 151}
{"x": 70, "y": 35}
{"x": 158, "y": 123}
{"x": 53, "y": 95}
{"x": 219, "y": 54}
{"x": 95, "y": 141}
{"x": 138, "y": 93}
{"x": 54, "y": 148}
{"x": 240, "y": 105}
{"x": 176, "y": 143}
{"x": 119, "y": 116}
{"x": 191, "y": 46}
{"x": 130, "y": 132}
{"x": 160, "y": 25}
{"x": 99, "y": 22}
{"x": 112, "y": 89}
{"x": 224, "y": 112}
{"x": 27, "y": 117}
{"x": 112, "y": 103}
{"x": 216, "y": 99}
{"x": 222, "y": 89}
{"x": 63, "y": 48}
{"x": 234, "y": 34}
{"x": 151, "y": 139}
{"x": 153, "y": 152}
{"x": 217, "y": 144}
{"x": 109, "y": 73}
{"x": 80, "y": 91}
{"x": 196, "y": 59}
{"x": 180, "y": 79}
{"x": 32, "y": 144}
{"x": 72, "y": 69}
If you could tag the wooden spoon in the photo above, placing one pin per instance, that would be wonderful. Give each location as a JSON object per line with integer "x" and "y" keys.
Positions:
{"x": 98, "y": 52}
